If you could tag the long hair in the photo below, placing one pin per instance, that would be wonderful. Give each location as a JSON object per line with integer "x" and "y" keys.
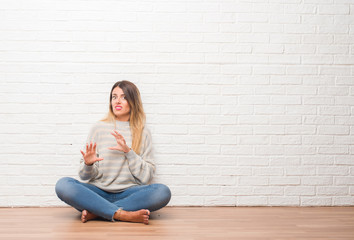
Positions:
{"x": 137, "y": 114}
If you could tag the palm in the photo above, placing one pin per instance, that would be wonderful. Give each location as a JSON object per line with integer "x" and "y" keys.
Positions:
{"x": 90, "y": 156}
{"x": 121, "y": 144}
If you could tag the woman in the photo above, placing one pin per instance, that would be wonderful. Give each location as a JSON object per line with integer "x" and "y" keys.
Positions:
{"x": 117, "y": 165}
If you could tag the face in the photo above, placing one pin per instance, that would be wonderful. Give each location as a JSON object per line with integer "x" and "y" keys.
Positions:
{"x": 120, "y": 105}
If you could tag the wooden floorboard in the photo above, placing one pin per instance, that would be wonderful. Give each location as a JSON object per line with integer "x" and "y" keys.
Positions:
{"x": 182, "y": 223}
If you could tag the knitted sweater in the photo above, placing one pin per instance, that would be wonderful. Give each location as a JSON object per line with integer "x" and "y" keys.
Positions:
{"x": 118, "y": 170}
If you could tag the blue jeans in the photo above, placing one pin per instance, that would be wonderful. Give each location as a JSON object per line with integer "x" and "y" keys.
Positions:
{"x": 84, "y": 196}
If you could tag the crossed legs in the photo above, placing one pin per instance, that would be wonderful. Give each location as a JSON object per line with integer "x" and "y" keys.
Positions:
{"x": 132, "y": 205}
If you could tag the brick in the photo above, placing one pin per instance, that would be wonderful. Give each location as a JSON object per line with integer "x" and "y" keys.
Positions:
{"x": 269, "y": 191}
{"x": 268, "y": 171}
{"x": 252, "y": 59}
{"x": 344, "y": 181}
{"x": 204, "y": 149}
{"x": 236, "y": 130}
{"x": 318, "y": 140}
{"x": 300, "y": 8}
{"x": 344, "y": 120}
{"x": 299, "y": 29}
{"x": 333, "y": 171}
{"x": 275, "y": 120}
{"x": 343, "y": 201}
{"x": 221, "y": 140}
{"x": 240, "y": 27}
{"x": 203, "y": 170}
{"x": 236, "y": 171}
{"x": 294, "y": 70}
{"x": 285, "y": 18}
{"x": 253, "y": 120}
{"x": 333, "y": 150}
{"x": 252, "y": 18}
{"x": 225, "y": 160}
{"x": 284, "y": 180}
{"x": 237, "y": 150}
{"x": 333, "y": 29}
{"x": 273, "y": 130}
{"x": 284, "y": 59}
{"x": 253, "y": 38}
{"x": 317, "y": 181}
{"x": 283, "y": 201}
{"x": 251, "y": 201}
{"x": 286, "y": 140}
{"x": 322, "y": 120}
{"x": 253, "y": 180}
{"x": 300, "y": 49}
{"x": 236, "y": 191}
{"x": 343, "y": 160}
{"x": 300, "y": 171}
{"x": 330, "y": 130}
{"x": 285, "y": 80}
{"x": 284, "y": 161}
{"x": 249, "y": 140}
{"x": 299, "y": 191}
{"x": 332, "y": 191}
{"x": 333, "y": 49}
{"x": 220, "y": 200}
{"x": 316, "y": 201}
{"x": 285, "y": 38}
{"x": 220, "y": 180}
{"x": 287, "y": 100}
{"x": 219, "y": 17}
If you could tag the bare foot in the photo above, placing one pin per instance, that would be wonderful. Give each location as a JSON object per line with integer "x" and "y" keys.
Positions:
{"x": 87, "y": 216}
{"x": 140, "y": 216}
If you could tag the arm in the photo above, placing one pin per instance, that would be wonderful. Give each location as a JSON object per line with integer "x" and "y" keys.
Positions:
{"x": 142, "y": 166}
{"x": 88, "y": 167}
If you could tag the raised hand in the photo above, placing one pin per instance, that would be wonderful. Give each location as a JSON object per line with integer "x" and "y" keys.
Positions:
{"x": 121, "y": 144}
{"x": 90, "y": 156}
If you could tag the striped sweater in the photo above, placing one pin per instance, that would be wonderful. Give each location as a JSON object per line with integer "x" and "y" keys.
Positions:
{"x": 118, "y": 170}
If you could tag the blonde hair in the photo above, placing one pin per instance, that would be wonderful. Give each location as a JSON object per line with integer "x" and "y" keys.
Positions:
{"x": 137, "y": 114}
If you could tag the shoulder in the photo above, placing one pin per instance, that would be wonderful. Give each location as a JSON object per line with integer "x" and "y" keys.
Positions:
{"x": 146, "y": 135}
{"x": 146, "y": 130}
{"x": 102, "y": 124}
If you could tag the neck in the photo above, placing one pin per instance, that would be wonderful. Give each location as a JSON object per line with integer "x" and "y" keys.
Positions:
{"x": 122, "y": 119}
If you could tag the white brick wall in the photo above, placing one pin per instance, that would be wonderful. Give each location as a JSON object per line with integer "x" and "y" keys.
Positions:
{"x": 249, "y": 102}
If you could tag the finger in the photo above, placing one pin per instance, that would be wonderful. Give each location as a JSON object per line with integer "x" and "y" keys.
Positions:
{"x": 114, "y": 134}
{"x": 83, "y": 154}
{"x": 90, "y": 146}
{"x": 99, "y": 159}
{"x": 94, "y": 147}
{"x": 118, "y": 134}
{"x": 86, "y": 147}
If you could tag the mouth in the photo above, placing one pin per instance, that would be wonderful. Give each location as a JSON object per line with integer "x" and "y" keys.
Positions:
{"x": 118, "y": 108}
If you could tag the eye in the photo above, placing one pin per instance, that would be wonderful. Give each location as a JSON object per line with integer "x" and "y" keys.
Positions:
{"x": 114, "y": 97}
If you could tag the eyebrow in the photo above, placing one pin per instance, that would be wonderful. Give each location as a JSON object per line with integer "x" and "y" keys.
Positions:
{"x": 117, "y": 95}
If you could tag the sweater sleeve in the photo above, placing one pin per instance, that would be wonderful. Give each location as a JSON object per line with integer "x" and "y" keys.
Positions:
{"x": 142, "y": 166}
{"x": 89, "y": 172}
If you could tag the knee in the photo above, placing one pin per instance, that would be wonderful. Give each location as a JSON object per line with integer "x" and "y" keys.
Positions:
{"x": 62, "y": 186}
{"x": 164, "y": 192}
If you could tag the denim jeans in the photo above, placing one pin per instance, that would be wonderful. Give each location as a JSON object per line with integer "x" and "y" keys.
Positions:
{"x": 84, "y": 196}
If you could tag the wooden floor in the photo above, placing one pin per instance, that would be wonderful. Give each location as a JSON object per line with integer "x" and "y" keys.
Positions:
{"x": 184, "y": 223}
